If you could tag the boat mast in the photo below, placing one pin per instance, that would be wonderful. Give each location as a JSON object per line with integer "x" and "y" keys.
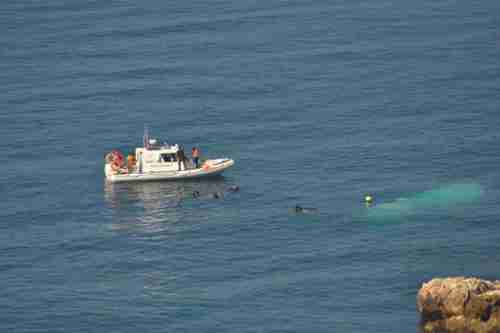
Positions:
{"x": 146, "y": 137}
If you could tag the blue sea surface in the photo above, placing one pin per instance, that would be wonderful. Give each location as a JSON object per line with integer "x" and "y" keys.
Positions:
{"x": 318, "y": 102}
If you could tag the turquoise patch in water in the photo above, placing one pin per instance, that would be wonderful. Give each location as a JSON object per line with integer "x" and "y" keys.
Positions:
{"x": 440, "y": 198}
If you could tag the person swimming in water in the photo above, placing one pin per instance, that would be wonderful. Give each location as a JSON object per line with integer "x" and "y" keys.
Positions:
{"x": 233, "y": 188}
{"x": 217, "y": 195}
{"x": 300, "y": 209}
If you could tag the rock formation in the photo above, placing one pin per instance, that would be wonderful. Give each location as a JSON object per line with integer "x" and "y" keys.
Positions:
{"x": 460, "y": 304}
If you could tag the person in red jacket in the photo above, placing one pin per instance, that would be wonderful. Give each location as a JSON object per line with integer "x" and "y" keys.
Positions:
{"x": 195, "y": 152}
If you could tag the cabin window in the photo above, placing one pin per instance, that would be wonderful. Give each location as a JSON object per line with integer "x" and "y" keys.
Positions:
{"x": 168, "y": 158}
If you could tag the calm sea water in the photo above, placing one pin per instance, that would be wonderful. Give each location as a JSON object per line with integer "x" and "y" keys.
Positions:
{"x": 318, "y": 102}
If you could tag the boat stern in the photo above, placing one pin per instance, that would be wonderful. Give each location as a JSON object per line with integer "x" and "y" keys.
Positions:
{"x": 108, "y": 172}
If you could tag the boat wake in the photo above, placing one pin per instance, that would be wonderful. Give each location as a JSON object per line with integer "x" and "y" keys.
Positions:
{"x": 438, "y": 199}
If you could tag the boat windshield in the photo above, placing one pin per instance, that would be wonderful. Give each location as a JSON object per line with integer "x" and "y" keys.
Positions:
{"x": 168, "y": 158}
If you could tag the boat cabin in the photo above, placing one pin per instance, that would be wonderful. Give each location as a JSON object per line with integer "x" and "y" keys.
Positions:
{"x": 157, "y": 157}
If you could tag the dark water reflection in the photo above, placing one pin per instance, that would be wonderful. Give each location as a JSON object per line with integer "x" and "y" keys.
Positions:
{"x": 151, "y": 195}
{"x": 158, "y": 206}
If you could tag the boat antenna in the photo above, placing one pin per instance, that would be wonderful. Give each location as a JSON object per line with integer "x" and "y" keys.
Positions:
{"x": 146, "y": 137}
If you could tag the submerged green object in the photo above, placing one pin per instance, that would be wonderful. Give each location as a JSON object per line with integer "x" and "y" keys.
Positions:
{"x": 440, "y": 198}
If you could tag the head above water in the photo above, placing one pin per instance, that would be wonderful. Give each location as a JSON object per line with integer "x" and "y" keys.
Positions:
{"x": 233, "y": 188}
{"x": 305, "y": 210}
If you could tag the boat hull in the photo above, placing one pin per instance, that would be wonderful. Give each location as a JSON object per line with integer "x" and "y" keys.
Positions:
{"x": 216, "y": 168}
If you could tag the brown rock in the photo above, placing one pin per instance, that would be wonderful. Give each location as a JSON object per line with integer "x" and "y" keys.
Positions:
{"x": 475, "y": 307}
{"x": 460, "y": 304}
{"x": 455, "y": 324}
{"x": 454, "y": 302}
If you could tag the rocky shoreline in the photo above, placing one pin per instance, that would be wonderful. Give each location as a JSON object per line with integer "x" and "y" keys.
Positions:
{"x": 460, "y": 304}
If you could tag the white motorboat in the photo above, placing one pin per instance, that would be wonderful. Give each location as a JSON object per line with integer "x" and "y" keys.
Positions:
{"x": 157, "y": 161}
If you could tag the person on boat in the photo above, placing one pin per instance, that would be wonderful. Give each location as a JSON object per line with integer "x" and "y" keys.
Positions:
{"x": 130, "y": 162}
{"x": 181, "y": 159}
{"x": 195, "y": 152}
{"x": 140, "y": 162}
